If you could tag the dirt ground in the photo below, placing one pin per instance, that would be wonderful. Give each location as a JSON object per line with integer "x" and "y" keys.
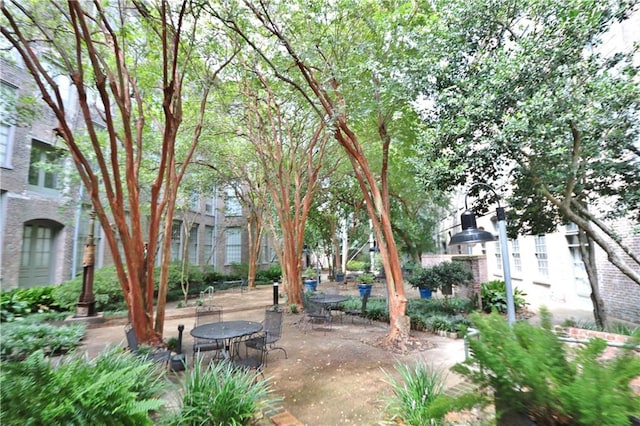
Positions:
{"x": 331, "y": 376}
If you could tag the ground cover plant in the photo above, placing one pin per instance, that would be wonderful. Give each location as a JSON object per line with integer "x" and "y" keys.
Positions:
{"x": 534, "y": 373}
{"x": 494, "y": 297}
{"x": 19, "y": 302}
{"x": 19, "y": 339}
{"x": 115, "y": 388}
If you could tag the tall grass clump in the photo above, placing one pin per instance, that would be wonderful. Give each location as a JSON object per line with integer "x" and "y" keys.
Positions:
{"x": 220, "y": 394}
{"x": 22, "y": 338}
{"x": 418, "y": 395}
{"x": 118, "y": 388}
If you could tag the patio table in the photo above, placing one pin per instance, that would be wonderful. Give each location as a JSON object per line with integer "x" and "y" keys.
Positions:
{"x": 227, "y": 331}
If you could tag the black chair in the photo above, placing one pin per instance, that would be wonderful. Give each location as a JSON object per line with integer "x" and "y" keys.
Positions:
{"x": 206, "y": 315}
{"x": 255, "y": 356}
{"x": 315, "y": 313}
{"x": 153, "y": 354}
{"x": 272, "y": 327}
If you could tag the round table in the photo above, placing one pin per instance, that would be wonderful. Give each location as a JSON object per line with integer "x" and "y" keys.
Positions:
{"x": 226, "y": 331}
{"x": 329, "y": 299}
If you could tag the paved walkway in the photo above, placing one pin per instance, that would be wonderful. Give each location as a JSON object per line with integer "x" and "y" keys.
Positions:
{"x": 249, "y": 305}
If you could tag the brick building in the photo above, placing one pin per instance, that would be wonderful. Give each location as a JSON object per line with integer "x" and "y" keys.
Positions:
{"x": 44, "y": 219}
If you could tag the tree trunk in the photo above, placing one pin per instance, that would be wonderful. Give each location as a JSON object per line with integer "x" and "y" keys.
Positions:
{"x": 587, "y": 252}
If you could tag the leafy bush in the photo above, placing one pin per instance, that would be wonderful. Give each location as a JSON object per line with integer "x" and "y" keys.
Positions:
{"x": 220, "y": 394}
{"x": 419, "y": 398}
{"x": 528, "y": 367}
{"x": 22, "y": 338}
{"x": 106, "y": 290}
{"x": 117, "y": 388}
{"x": 356, "y": 265}
{"x": 494, "y": 296}
{"x": 23, "y": 301}
{"x": 274, "y": 273}
{"x": 441, "y": 276}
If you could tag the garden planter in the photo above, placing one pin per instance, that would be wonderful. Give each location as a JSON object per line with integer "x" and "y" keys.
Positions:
{"x": 425, "y": 293}
{"x": 178, "y": 362}
{"x": 339, "y": 278}
{"x": 365, "y": 289}
{"x": 310, "y": 285}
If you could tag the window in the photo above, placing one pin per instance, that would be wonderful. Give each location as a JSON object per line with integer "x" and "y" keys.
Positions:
{"x": 232, "y": 206}
{"x": 176, "y": 238}
{"x": 266, "y": 255}
{"x": 44, "y": 159}
{"x": 208, "y": 206}
{"x": 498, "y": 252}
{"x": 515, "y": 252}
{"x": 541, "y": 255}
{"x": 193, "y": 245}
{"x": 234, "y": 246}
{"x": 7, "y": 99}
{"x": 208, "y": 245}
{"x": 194, "y": 198}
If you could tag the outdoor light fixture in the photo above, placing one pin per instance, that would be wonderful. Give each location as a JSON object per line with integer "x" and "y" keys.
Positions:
{"x": 470, "y": 234}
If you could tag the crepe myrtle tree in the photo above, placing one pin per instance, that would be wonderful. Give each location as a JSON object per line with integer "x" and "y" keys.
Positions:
{"x": 128, "y": 63}
{"x": 346, "y": 65}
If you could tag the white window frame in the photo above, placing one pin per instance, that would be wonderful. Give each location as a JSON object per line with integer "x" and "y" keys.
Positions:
{"x": 233, "y": 245}
{"x": 176, "y": 240}
{"x": 541, "y": 255}
{"x": 232, "y": 205}
{"x": 515, "y": 253}
{"x": 193, "y": 245}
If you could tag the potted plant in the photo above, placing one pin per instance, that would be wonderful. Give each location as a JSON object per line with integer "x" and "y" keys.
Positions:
{"x": 425, "y": 280}
{"x": 365, "y": 283}
{"x": 442, "y": 276}
{"x": 310, "y": 279}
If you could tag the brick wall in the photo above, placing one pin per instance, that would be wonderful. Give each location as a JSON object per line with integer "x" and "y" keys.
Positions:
{"x": 621, "y": 295}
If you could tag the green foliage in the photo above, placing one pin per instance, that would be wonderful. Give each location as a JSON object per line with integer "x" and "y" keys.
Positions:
{"x": 21, "y": 338}
{"x": 442, "y": 275}
{"x": 106, "y": 290}
{"x": 219, "y": 394}
{"x": 274, "y": 273}
{"x": 22, "y": 301}
{"x": 115, "y": 388}
{"x": 494, "y": 296}
{"x": 528, "y": 367}
{"x": 419, "y": 398}
{"x": 356, "y": 265}
{"x": 293, "y": 308}
{"x": 365, "y": 278}
{"x": 446, "y": 314}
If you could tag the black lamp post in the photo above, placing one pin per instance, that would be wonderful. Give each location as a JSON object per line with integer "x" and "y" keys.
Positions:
{"x": 470, "y": 234}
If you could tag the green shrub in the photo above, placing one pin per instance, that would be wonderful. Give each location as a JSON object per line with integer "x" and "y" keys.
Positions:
{"x": 419, "y": 398}
{"x": 106, "y": 290}
{"x": 441, "y": 276}
{"x": 22, "y": 338}
{"x": 220, "y": 394}
{"x": 528, "y": 367}
{"x": 494, "y": 296}
{"x": 274, "y": 273}
{"x": 117, "y": 388}
{"x": 356, "y": 265}
{"x": 23, "y": 301}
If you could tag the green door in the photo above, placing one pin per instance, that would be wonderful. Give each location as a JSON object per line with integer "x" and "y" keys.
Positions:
{"x": 37, "y": 260}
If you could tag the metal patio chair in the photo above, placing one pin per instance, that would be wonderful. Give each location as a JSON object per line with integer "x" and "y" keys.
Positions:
{"x": 205, "y": 315}
{"x": 272, "y": 328}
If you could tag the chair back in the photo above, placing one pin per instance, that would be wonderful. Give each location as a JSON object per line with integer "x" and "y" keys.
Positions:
{"x": 273, "y": 325}
{"x": 132, "y": 340}
{"x": 208, "y": 314}
{"x": 311, "y": 307}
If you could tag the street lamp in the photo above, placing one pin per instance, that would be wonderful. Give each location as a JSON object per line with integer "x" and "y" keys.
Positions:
{"x": 470, "y": 234}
